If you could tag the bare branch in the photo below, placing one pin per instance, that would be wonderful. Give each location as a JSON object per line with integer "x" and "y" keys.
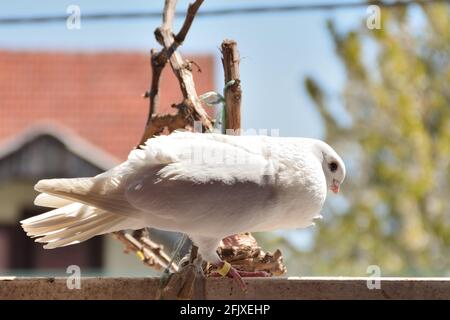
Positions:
{"x": 233, "y": 93}
{"x": 243, "y": 252}
{"x": 161, "y": 122}
{"x": 181, "y": 69}
{"x": 150, "y": 253}
{"x": 157, "y": 67}
{"x": 168, "y": 14}
{"x": 191, "y": 12}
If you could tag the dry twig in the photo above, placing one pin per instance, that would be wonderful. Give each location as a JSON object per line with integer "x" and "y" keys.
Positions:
{"x": 190, "y": 109}
{"x": 233, "y": 94}
{"x": 150, "y": 253}
{"x": 243, "y": 253}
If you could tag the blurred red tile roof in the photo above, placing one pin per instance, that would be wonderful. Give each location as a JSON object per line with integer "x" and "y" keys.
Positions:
{"x": 96, "y": 95}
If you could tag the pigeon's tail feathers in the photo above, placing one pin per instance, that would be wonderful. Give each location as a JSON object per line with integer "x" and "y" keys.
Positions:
{"x": 74, "y": 223}
{"x": 58, "y": 186}
{"x": 49, "y": 201}
{"x": 102, "y": 193}
{"x": 71, "y": 222}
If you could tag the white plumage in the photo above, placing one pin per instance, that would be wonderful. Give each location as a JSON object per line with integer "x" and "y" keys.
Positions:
{"x": 208, "y": 186}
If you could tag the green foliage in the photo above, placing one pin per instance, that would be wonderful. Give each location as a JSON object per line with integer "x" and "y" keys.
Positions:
{"x": 396, "y": 208}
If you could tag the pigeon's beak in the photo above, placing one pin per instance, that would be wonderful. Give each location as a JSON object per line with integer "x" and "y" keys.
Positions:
{"x": 335, "y": 186}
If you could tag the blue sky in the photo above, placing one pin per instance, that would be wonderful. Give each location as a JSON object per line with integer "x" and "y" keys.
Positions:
{"x": 277, "y": 50}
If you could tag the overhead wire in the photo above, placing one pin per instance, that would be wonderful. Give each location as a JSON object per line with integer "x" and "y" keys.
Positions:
{"x": 251, "y": 10}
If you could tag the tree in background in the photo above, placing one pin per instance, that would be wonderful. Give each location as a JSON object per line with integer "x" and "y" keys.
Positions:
{"x": 396, "y": 207}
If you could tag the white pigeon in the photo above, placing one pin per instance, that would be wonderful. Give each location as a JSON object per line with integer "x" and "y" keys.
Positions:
{"x": 208, "y": 186}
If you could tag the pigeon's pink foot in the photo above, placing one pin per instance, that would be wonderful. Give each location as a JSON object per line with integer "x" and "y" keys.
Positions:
{"x": 225, "y": 269}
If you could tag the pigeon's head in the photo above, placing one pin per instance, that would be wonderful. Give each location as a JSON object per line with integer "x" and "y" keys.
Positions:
{"x": 333, "y": 167}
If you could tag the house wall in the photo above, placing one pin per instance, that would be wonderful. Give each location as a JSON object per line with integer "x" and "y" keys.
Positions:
{"x": 14, "y": 196}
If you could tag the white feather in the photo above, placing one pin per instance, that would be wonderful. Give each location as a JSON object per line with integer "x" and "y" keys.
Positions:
{"x": 74, "y": 223}
{"x": 46, "y": 200}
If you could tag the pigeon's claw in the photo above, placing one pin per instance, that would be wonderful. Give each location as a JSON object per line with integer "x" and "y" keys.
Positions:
{"x": 226, "y": 270}
{"x": 234, "y": 274}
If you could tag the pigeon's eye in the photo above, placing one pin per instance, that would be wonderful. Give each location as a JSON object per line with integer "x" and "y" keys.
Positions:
{"x": 333, "y": 166}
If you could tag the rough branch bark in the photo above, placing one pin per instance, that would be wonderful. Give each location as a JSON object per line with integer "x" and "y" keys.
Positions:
{"x": 149, "y": 252}
{"x": 243, "y": 253}
{"x": 182, "y": 70}
{"x": 233, "y": 93}
{"x": 190, "y": 109}
{"x": 157, "y": 65}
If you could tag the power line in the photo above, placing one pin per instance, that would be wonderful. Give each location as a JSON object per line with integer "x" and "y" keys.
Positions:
{"x": 217, "y": 12}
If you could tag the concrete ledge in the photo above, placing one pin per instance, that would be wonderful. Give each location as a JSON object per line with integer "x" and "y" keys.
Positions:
{"x": 12, "y": 288}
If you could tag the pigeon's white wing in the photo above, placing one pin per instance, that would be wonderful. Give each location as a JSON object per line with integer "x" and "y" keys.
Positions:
{"x": 204, "y": 158}
{"x": 181, "y": 157}
{"x": 203, "y": 173}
